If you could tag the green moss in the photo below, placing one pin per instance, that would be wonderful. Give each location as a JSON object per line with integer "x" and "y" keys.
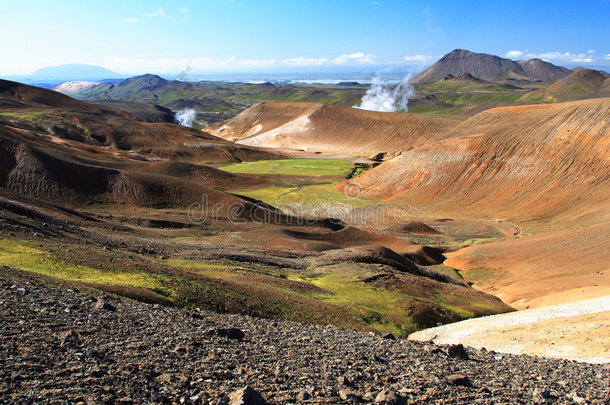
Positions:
{"x": 381, "y": 309}
{"x": 430, "y": 110}
{"x": 578, "y": 89}
{"x": 21, "y": 256}
{"x": 35, "y": 118}
{"x": 483, "y": 274}
{"x": 308, "y": 167}
{"x": 195, "y": 264}
{"x": 41, "y": 120}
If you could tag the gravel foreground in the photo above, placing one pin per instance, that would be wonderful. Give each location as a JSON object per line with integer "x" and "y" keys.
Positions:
{"x": 63, "y": 346}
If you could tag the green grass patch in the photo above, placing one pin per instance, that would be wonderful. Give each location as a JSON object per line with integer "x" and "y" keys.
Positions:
{"x": 381, "y": 309}
{"x": 217, "y": 270}
{"x": 441, "y": 268}
{"x": 195, "y": 264}
{"x": 270, "y": 195}
{"x": 479, "y": 241}
{"x": 578, "y": 89}
{"x": 309, "y": 167}
{"x": 21, "y": 256}
{"x": 431, "y": 110}
{"x": 483, "y": 274}
{"x": 311, "y": 200}
{"x": 35, "y": 118}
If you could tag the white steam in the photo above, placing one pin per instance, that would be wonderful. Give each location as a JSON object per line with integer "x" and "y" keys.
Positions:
{"x": 387, "y": 97}
{"x": 186, "y": 117}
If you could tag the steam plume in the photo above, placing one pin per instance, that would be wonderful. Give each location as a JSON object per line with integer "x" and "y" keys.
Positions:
{"x": 387, "y": 97}
{"x": 186, "y": 117}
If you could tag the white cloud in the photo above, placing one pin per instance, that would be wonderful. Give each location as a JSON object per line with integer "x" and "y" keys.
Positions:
{"x": 201, "y": 64}
{"x": 419, "y": 58}
{"x": 555, "y": 56}
{"x": 131, "y": 20}
{"x": 354, "y": 57}
{"x": 140, "y": 64}
{"x": 256, "y": 62}
{"x": 562, "y": 57}
{"x": 185, "y": 10}
{"x": 607, "y": 57}
{"x": 158, "y": 13}
{"x": 302, "y": 61}
{"x": 514, "y": 54}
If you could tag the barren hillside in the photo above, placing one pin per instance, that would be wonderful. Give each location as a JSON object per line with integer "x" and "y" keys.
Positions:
{"x": 527, "y": 164}
{"x": 333, "y": 129}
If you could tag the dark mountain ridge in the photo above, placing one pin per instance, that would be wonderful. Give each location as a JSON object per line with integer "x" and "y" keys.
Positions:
{"x": 489, "y": 67}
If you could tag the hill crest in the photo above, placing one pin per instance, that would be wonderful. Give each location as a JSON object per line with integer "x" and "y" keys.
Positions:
{"x": 489, "y": 67}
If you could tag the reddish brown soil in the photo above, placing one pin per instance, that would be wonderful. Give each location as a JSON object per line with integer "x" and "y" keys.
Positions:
{"x": 538, "y": 270}
{"x": 525, "y": 164}
{"x": 308, "y": 240}
{"x": 333, "y": 129}
{"x": 538, "y": 168}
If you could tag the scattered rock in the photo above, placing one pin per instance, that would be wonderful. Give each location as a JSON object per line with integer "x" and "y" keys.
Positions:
{"x": 98, "y": 373}
{"x": 459, "y": 379}
{"x": 303, "y": 396}
{"x": 103, "y": 304}
{"x": 389, "y": 397}
{"x": 196, "y": 315}
{"x": 389, "y": 336}
{"x": 380, "y": 358}
{"x": 576, "y": 398}
{"x": 456, "y": 351}
{"x": 369, "y": 396}
{"x": 430, "y": 348}
{"x": 246, "y": 396}
{"x": 541, "y": 394}
{"x": 70, "y": 339}
{"x": 156, "y": 354}
{"x": 231, "y": 333}
{"x": 347, "y": 394}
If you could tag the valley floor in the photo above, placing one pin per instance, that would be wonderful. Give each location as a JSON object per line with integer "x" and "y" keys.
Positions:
{"x": 61, "y": 344}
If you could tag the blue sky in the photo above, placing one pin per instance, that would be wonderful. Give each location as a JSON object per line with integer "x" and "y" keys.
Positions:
{"x": 279, "y": 36}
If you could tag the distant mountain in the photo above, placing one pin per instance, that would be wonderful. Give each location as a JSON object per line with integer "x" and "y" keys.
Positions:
{"x": 541, "y": 70}
{"x": 144, "y": 88}
{"x": 489, "y": 67}
{"x": 73, "y": 72}
{"x": 217, "y": 101}
{"x": 581, "y": 84}
{"x": 146, "y": 81}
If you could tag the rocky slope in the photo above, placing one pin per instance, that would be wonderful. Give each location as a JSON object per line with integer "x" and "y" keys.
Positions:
{"x": 61, "y": 344}
{"x": 489, "y": 67}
